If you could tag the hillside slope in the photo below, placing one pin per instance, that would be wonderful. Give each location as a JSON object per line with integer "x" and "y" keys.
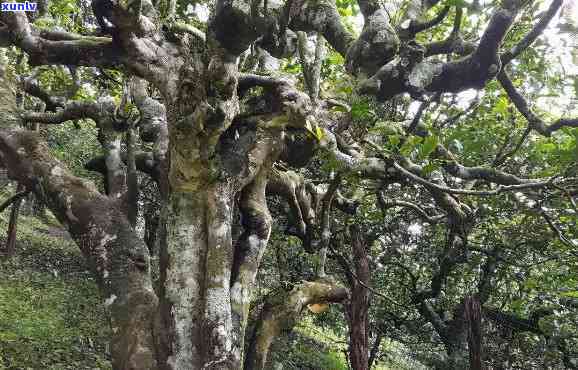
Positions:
{"x": 51, "y": 316}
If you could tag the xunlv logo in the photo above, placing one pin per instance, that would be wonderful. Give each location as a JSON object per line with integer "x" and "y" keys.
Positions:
{"x": 18, "y": 7}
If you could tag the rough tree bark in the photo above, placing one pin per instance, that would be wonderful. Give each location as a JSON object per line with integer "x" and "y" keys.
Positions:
{"x": 208, "y": 154}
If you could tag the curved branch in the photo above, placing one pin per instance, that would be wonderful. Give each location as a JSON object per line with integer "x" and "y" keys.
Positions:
{"x": 153, "y": 118}
{"x": 477, "y": 173}
{"x": 32, "y": 87}
{"x": 249, "y": 251}
{"x": 302, "y": 203}
{"x": 281, "y": 312}
{"x": 71, "y": 111}
{"x": 534, "y": 121}
{"x": 500, "y": 189}
{"x": 145, "y": 162}
{"x": 416, "y": 27}
{"x": 71, "y": 50}
{"x": 385, "y": 204}
{"x": 484, "y": 64}
{"x": 13, "y": 199}
{"x": 473, "y": 71}
{"x": 272, "y": 25}
{"x": 305, "y": 200}
{"x": 533, "y": 34}
{"x": 179, "y": 27}
{"x": 454, "y": 43}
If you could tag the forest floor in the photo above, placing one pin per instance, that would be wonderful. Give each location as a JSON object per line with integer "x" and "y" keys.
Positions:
{"x": 51, "y": 316}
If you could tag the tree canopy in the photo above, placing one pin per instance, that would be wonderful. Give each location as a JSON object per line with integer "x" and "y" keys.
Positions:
{"x": 403, "y": 170}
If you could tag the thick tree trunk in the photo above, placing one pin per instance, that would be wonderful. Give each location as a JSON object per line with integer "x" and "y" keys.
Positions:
{"x": 196, "y": 306}
{"x": 116, "y": 256}
{"x": 463, "y": 337}
{"x": 197, "y": 260}
{"x": 207, "y": 282}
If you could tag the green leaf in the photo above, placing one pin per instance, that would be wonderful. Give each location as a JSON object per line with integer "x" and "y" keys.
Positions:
{"x": 361, "y": 111}
{"x": 409, "y": 145}
{"x": 456, "y": 3}
{"x": 570, "y": 294}
{"x": 501, "y": 106}
{"x": 319, "y": 133}
{"x": 530, "y": 283}
{"x": 428, "y": 146}
{"x": 431, "y": 167}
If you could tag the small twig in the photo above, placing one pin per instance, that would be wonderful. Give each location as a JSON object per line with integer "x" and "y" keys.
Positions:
{"x": 109, "y": 77}
{"x": 384, "y": 205}
{"x": 556, "y": 230}
{"x": 349, "y": 271}
{"x": 533, "y": 34}
{"x": 502, "y": 159}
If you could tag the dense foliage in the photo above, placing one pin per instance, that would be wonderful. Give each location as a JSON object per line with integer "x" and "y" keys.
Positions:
{"x": 430, "y": 169}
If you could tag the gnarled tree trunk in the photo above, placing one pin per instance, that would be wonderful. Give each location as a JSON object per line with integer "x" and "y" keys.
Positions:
{"x": 117, "y": 257}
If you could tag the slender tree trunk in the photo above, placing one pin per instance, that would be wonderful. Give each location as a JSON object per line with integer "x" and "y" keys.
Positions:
{"x": 358, "y": 307}
{"x": 463, "y": 339}
{"x": 249, "y": 251}
{"x": 374, "y": 350}
{"x": 131, "y": 178}
{"x": 13, "y": 227}
{"x": 115, "y": 176}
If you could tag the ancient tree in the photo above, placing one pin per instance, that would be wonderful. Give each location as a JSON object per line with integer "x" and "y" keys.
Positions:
{"x": 216, "y": 132}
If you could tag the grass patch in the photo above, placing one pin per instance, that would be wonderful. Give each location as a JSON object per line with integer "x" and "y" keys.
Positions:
{"x": 51, "y": 314}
